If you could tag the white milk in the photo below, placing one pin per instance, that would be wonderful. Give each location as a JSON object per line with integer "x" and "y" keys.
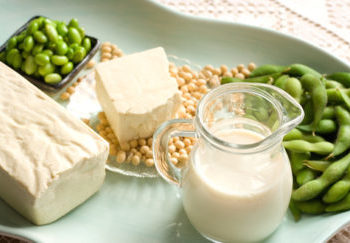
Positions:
{"x": 237, "y": 197}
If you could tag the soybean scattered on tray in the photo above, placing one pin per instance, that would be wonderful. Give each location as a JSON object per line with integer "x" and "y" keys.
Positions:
{"x": 319, "y": 148}
{"x": 47, "y": 49}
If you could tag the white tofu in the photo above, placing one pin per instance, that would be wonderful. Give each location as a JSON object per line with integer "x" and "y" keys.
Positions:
{"x": 137, "y": 93}
{"x": 50, "y": 161}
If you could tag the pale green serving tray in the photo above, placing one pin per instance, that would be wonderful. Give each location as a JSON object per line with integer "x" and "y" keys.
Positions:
{"x": 129, "y": 209}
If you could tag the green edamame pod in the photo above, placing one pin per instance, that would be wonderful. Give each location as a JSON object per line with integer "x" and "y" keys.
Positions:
{"x": 338, "y": 190}
{"x": 293, "y": 87}
{"x": 12, "y": 43}
{"x": 335, "y": 97}
{"x": 325, "y": 126}
{"x": 318, "y": 95}
{"x": 311, "y": 207}
{"x": 266, "y": 70}
{"x": 53, "y": 78}
{"x": 28, "y": 43}
{"x": 40, "y": 37}
{"x": 294, "y": 134}
{"x": 281, "y": 81}
{"x": 270, "y": 78}
{"x": 42, "y": 59}
{"x": 74, "y": 35}
{"x": 345, "y": 97}
{"x": 341, "y": 77}
{"x": 305, "y": 175}
{"x": 86, "y": 44}
{"x": 342, "y": 142}
{"x": 226, "y": 80}
{"x": 295, "y": 211}
{"x": 300, "y": 70}
{"x": 308, "y": 111}
{"x": 317, "y": 165}
{"x": 67, "y": 68}
{"x": 328, "y": 113}
{"x": 59, "y": 60}
{"x": 302, "y": 146}
{"x": 297, "y": 161}
{"x": 29, "y": 65}
{"x": 342, "y": 205}
{"x": 313, "y": 188}
{"x": 331, "y": 84}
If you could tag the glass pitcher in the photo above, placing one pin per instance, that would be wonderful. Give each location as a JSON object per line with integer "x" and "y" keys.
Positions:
{"x": 237, "y": 183}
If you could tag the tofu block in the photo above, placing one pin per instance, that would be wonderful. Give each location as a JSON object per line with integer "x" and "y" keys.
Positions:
{"x": 137, "y": 93}
{"x": 50, "y": 161}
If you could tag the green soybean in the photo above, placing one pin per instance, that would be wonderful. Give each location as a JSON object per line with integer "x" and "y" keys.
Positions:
{"x": 42, "y": 59}
{"x": 73, "y": 23}
{"x": 46, "y": 69}
{"x": 33, "y": 27}
{"x": 37, "y": 49}
{"x": 305, "y": 175}
{"x": 318, "y": 95}
{"x": 61, "y": 48}
{"x": 29, "y": 65}
{"x": 315, "y": 187}
{"x": 341, "y": 77}
{"x": 74, "y": 35}
{"x": 300, "y": 70}
{"x": 67, "y": 68}
{"x": 86, "y": 44}
{"x": 53, "y": 78}
{"x": 79, "y": 54}
{"x": 302, "y": 146}
{"x": 17, "y": 60}
{"x": 81, "y": 32}
{"x": 342, "y": 142}
{"x": 311, "y": 207}
{"x": 317, "y": 165}
{"x": 3, "y": 56}
{"x": 62, "y": 29}
{"x": 40, "y": 37}
{"x": 226, "y": 80}
{"x": 12, "y": 43}
{"x": 51, "y": 33}
{"x": 59, "y": 60}
{"x": 48, "y": 52}
{"x": 11, "y": 55}
{"x": 28, "y": 43}
{"x": 266, "y": 70}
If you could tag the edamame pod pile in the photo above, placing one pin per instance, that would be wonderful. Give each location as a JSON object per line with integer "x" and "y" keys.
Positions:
{"x": 319, "y": 148}
{"x": 47, "y": 49}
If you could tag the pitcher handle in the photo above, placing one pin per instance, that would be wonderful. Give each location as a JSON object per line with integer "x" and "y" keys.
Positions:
{"x": 171, "y": 128}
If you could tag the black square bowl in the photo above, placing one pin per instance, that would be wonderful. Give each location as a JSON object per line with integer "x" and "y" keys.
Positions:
{"x": 39, "y": 82}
